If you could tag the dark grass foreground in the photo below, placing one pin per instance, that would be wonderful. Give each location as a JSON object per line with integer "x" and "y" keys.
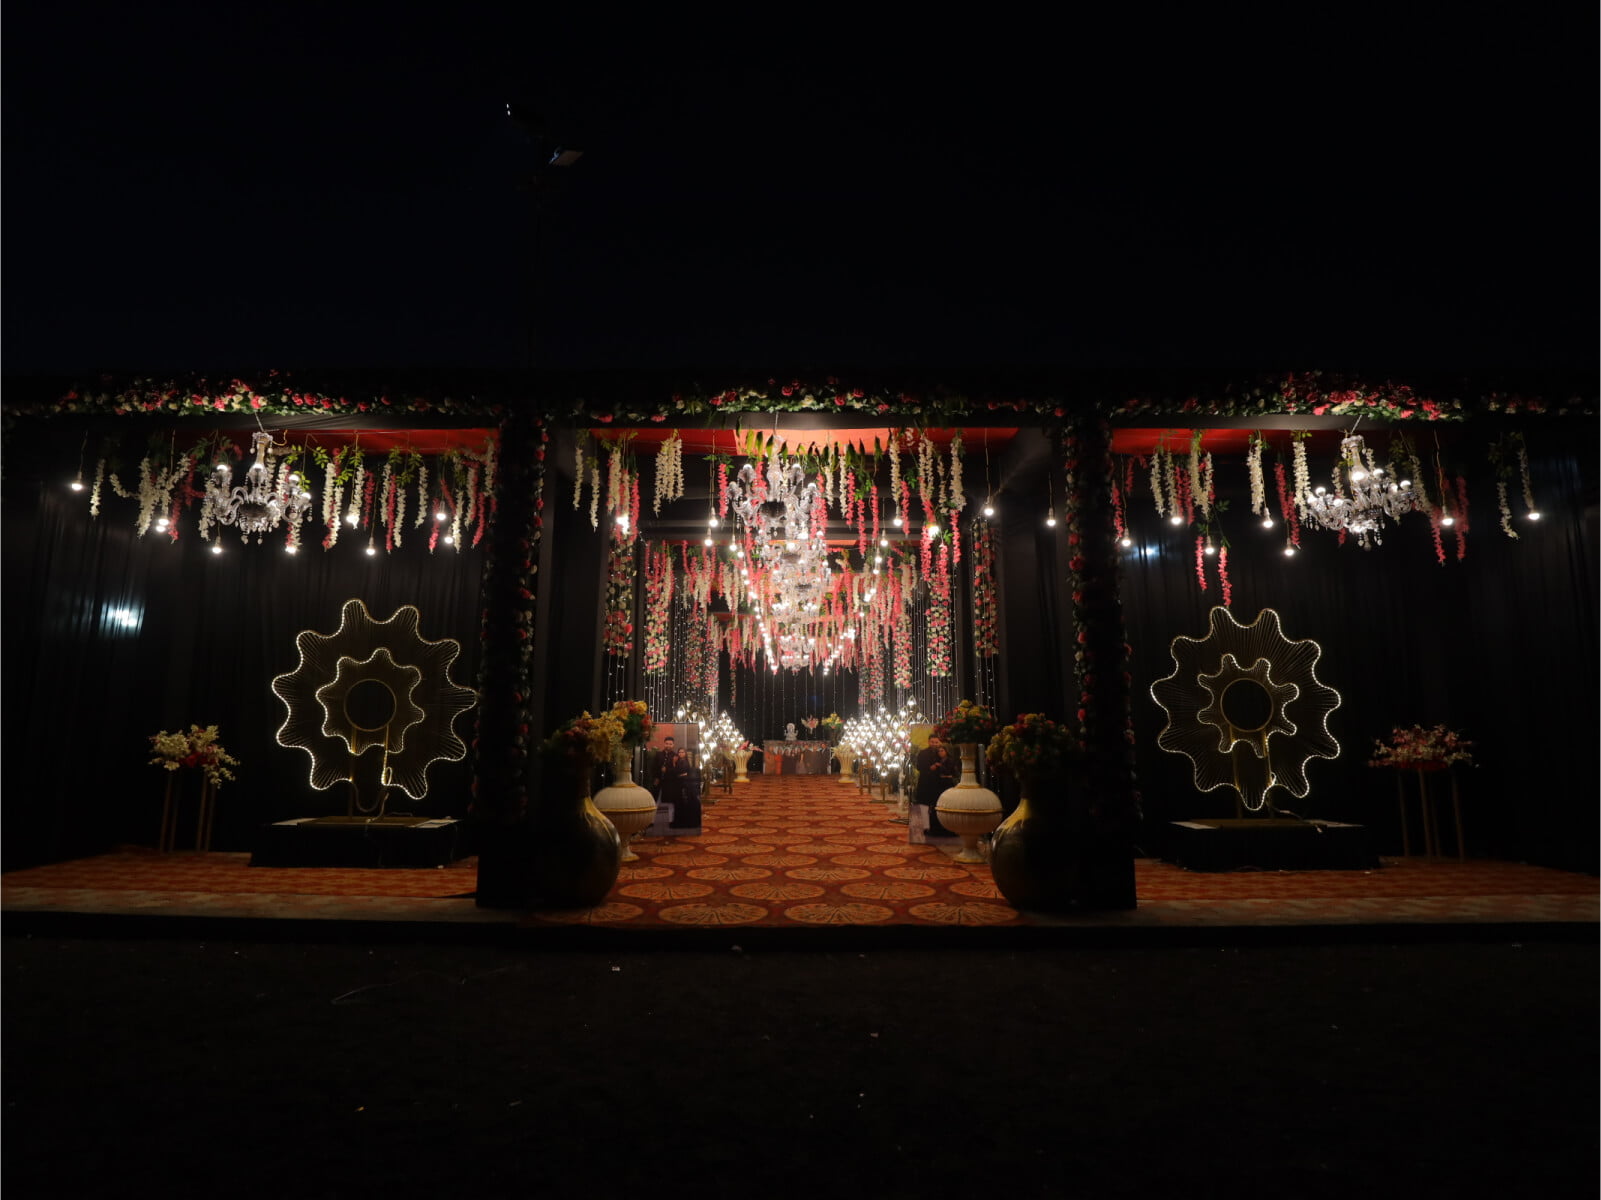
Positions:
{"x": 231, "y": 1068}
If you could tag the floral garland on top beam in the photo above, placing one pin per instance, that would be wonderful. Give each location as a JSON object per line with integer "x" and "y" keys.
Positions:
{"x": 1311, "y": 392}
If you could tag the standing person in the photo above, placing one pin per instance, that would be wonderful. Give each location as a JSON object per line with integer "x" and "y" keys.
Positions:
{"x": 936, "y": 771}
{"x": 673, "y": 786}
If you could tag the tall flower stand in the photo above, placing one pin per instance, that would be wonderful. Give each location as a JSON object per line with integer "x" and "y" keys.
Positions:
{"x": 629, "y": 807}
{"x": 846, "y": 757}
{"x": 169, "y": 815}
{"x": 741, "y": 761}
{"x": 1429, "y": 817}
{"x": 968, "y": 810}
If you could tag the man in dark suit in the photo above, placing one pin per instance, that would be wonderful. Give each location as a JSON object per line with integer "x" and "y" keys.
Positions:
{"x": 935, "y": 772}
{"x": 674, "y": 786}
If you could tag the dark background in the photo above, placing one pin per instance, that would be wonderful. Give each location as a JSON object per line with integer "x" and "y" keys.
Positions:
{"x": 304, "y": 186}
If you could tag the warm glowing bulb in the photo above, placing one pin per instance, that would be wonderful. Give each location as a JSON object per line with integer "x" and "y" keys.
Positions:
{"x": 1534, "y": 514}
{"x": 1211, "y": 550}
{"x": 1050, "y": 519}
{"x": 351, "y": 520}
{"x": 76, "y": 485}
{"x": 1175, "y": 519}
{"x": 1358, "y": 476}
{"x": 161, "y": 522}
{"x": 932, "y": 530}
{"x": 374, "y": 549}
{"x": 291, "y": 549}
{"x": 1448, "y": 519}
{"x": 1126, "y": 542}
{"x": 222, "y": 466}
{"x": 883, "y": 541}
{"x": 216, "y": 548}
{"x": 989, "y": 510}
{"x": 1289, "y": 551}
{"x": 708, "y": 539}
{"x": 714, "y": 522}
{"x": 440, "y": 515}
{"x": 897, "y": 521}
{"x": 449, "y": 541}
{"x": 1267, "y": 522}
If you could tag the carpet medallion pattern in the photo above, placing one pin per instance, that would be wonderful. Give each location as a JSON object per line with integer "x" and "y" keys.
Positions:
{"x": 789, "y": 851}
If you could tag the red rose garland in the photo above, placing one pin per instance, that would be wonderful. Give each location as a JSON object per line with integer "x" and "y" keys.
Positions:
{"x": 986, "y": 638}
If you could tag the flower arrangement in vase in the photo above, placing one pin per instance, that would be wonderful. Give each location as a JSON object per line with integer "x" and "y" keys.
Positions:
{"x": 198, "y": 748}
{"x": 580, "y": 743}
{"x": 832, "y": 727}
{"x": 1032, "y": 748}
{"x": 811, "y": 724}
{"x": 634, "y": 719}
{"x": 966, "y": 724}
{"x": 1418, "y": 748}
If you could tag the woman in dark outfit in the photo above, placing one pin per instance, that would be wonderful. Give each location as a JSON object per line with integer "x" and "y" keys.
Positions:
{"x": 936, "y": 771}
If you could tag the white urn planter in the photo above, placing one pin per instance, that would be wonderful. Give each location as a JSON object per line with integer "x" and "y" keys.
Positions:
{"x": 846, "y": 757}
{"x": 968, "y": 810}
{"x": 741, "y": 761}
{"x": 629, "y": 807}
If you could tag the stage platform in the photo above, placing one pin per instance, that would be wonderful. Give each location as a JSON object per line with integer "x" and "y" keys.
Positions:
{"x": 800, "y": 859}
{"x": 1270, "y": 844}
{"x": 360, "y": 842}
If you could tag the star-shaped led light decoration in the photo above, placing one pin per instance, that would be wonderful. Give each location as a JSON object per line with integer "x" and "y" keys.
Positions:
{"x": 373, "y": 684}
{"x": 1250, "y": 728}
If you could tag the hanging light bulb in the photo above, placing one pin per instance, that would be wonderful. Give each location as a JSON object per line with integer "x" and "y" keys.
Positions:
{"x": 1175, "y": 519}
{"x": 1125, "y": 541}
{"x": 291, "y": 549}
{"x": 713, "y": 521}
{"x": 1534, "y": 514}
{"x": 1050, "y": 516}
{"x": 77, "y": 484}
{"x": 896, "y": 520}
{"x": 216, "y": 547}
{"x": 449, "y": 540}
{"x": 708, "y": 539}
{"x": 1210, "y": 549}
{"x": 989, "y": 508}
{"x": 350, "y": 519}
{"x": 1267, "y": 522}
{"x": 1289, "y": 549}
{"x": 1448, "y": 519}
{"x": 439, "y": 515}
{"x": 372, "y": 550}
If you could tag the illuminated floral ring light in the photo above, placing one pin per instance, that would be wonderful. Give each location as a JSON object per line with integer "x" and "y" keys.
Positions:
{"x": 1252, "y": 728}
{"x": 373, "y": 684}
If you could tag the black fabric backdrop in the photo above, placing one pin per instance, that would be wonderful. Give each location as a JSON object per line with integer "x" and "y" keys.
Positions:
{"x": 84, "y": 691}
{"x": 1501, "y": 646}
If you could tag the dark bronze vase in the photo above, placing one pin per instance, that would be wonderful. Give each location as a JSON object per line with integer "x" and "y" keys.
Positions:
{"x": 576, "y": 852}
{"x": 1034, "y": 854}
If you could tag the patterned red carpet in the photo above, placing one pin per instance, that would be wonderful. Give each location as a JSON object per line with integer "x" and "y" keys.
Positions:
{"x": 797, "y": 851}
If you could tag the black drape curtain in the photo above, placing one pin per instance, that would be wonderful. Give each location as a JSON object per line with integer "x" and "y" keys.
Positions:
{"x": 765, "y": 701}
{"x": 113, "y": 637}
{"x": 1500, "y": 646}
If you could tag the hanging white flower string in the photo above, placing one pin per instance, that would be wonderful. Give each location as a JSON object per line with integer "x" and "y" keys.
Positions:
{"x": 1506, "y": 509}
{"x": 400, "y": 510}
{"x": 353, "y": 512}
{"x": 594, "y": 494}
{"x": 1253, "y": 462}
{"x": 578, "y": 472}
{"x": 1528, "y": 486}
{"x": 1303, "y": 477}
{"x": 1156, "y": 482}
{"x": 958, "y": 500}
{"x": 94, "y": 491}
{"x": 422, "y": 496}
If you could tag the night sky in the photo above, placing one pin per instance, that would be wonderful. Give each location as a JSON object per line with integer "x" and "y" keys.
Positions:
{"x": 227, "y": 189}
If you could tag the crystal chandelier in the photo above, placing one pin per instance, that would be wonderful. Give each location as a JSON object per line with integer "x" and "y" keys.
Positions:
{"x": 1373, "y": 496}
{"x": 260, "y": 505}
{"x": 782, "y": 514}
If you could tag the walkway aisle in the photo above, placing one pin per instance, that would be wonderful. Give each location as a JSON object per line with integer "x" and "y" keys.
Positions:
{"x": 796, "y": 850}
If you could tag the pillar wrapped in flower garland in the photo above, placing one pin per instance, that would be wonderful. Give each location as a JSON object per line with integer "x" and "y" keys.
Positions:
{"x": 1101, "y": 664}
{"x": 502, "y": 744}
